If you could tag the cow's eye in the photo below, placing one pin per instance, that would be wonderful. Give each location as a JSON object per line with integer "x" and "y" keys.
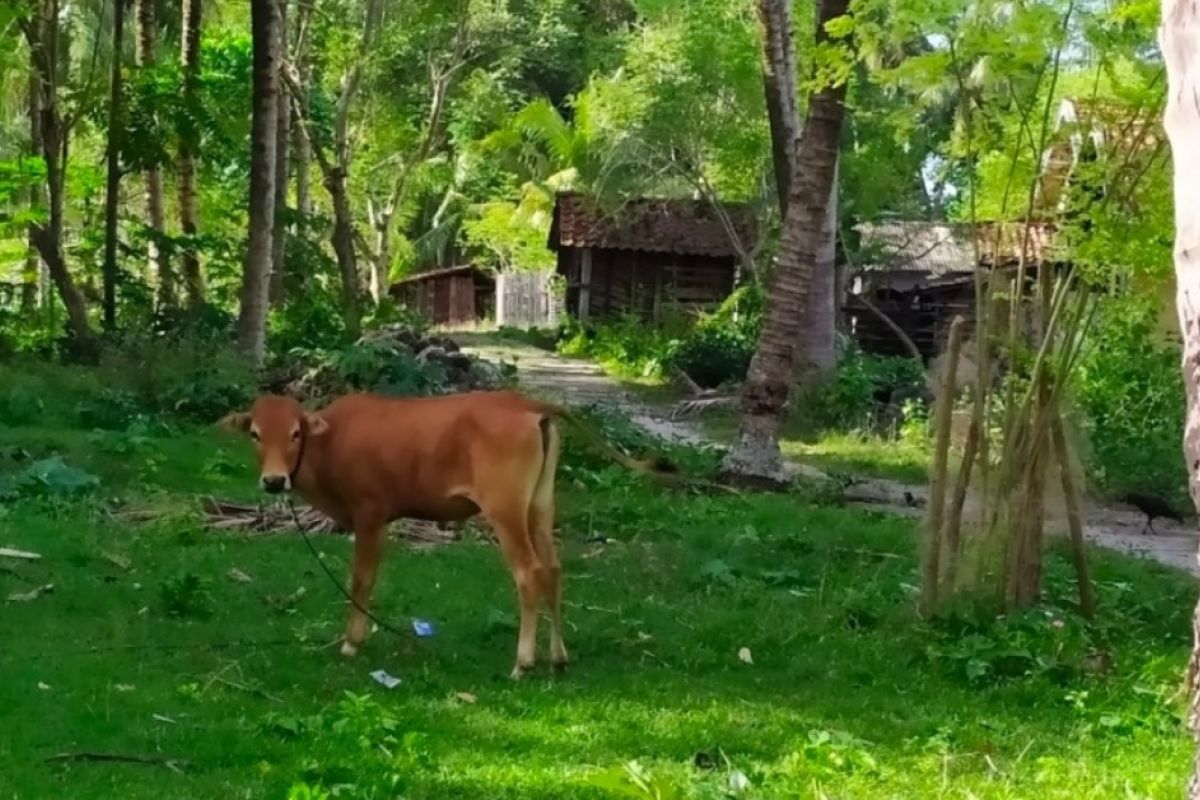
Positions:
{"x": 296, "y": 435}
{"x": 254, "y": 435}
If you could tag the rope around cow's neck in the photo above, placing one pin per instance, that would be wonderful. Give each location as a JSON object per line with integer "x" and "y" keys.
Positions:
{"x": 333, "y": 578}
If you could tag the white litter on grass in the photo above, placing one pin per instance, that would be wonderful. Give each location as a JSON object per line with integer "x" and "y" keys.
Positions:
{"x": 385, "y": 680}
{"x": 9, "y": 552}
{"x": 744, "y": 656}
{"x": 738, "y": 782}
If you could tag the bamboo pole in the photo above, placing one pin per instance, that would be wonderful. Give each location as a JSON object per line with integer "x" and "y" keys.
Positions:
{"x": 1087, "y": 595}
{"x": 952, "y": 527}
{"x": 937, "y": 480}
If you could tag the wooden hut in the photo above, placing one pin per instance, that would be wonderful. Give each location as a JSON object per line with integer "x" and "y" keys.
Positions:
{"x": 462, "y": 295}
{"x": 920, "y": 275}
{"x": 648, "y": 255}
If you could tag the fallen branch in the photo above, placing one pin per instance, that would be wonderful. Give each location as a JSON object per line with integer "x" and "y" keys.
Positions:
{"x": 174, "y": 764}
{"x": 267, "y": 519}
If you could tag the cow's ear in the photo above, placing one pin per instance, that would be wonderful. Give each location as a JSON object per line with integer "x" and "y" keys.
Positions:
{"x": 238, "y": 422}
{"x": 315, "y": 424}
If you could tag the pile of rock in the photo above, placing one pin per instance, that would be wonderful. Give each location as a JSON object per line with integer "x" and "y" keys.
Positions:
{"x": 447, "y": 369}
{"x": 465, "y": 373}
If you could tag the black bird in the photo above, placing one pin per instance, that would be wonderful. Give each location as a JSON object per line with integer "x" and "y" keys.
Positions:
{"x": 1153, "y": 507}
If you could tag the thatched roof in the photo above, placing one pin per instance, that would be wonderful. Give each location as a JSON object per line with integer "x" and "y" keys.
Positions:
{"x": 686, "y": 227}
{"x": 942, "y": 249}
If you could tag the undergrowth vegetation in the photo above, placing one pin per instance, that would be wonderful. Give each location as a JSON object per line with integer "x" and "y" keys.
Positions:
{"x": 745, "y": 646}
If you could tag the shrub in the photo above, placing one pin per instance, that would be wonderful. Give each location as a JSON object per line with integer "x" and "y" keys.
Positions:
{"x": 195, "y": 378}
{"x": 862, "y": 387}
{"x": 712, "y": 350}
{"x": 1128, "y": 387}
{"x": 714, "y": 354}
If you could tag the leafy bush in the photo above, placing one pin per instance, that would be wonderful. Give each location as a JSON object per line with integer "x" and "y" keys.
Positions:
{"x": 108, "y": 409}
{"x": 186, "y": 596}
{"x": 49, "y": 477}
{"x": 20, "y": 405}
{"x": 860, "y": 389}
{"x": 713, "y": 354}
{"x": 377, "y": 366}
{"x": 1128, "y": 387}
{"x": 626, "y": 347}
{"x": 195, "y": 378}
{"x": 713, "y": 350}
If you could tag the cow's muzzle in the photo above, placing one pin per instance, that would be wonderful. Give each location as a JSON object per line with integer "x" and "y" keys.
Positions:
{"x": 274, "y": 484}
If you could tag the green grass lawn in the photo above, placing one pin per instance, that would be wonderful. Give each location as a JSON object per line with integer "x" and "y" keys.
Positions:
{"x": 848, "y": 695}
{"x": 837, "y": 452}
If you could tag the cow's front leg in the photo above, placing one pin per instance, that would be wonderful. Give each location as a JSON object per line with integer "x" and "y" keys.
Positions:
{"x": 368, "y": 549}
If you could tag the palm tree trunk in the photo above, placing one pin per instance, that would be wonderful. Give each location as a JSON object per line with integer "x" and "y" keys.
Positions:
{"x": 265, "y": 39}
{"x": 1179, "y": 39}
{"x": 160, "y": 266}
{"x": 189, "y": 137}
{"x": 755, "y": 455}
{"x": 282, "y": 133}
{"x": 820, "y": 335}
{"x": 779, "y": 86}
{"x": 116, "y": 124}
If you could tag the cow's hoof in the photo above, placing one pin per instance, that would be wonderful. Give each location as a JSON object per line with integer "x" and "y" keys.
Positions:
{"x": 349, "y": 650}
{"x": 519, "y": 671}
{"x": 559, "y": 665}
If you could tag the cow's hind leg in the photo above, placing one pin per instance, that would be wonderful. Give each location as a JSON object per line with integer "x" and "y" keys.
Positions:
{"x": 511, "y": 527}
{"x": 541, "y": 529}
{"x": 368, "y": 548}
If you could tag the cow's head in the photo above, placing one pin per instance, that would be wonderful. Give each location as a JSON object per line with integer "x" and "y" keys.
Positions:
{"x": 279, "y": 428}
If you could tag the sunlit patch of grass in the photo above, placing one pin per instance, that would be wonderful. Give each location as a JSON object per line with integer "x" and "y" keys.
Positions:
{"x": 863, "y": 454}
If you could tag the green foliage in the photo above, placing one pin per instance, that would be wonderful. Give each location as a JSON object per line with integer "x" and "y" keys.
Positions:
{"x": 862, "y": 387}
{"x": 847, "y": 692}
{"x": 377, "y": 366}
{"x": 47, "y": 478}
{"x": 713, "y": 350}
{"x": 186, "y": 595}
{"x": 626, "y": 347}
{"x": 1128, "y": 388}
{"x": 512, "y": 242}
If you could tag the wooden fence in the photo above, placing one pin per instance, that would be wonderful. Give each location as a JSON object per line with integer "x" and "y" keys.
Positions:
{"x": 528, "y": 300}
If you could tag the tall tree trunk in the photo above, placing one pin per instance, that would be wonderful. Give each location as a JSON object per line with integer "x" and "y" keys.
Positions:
{"x": 147, "y": 37}
{"x": 342, "y": 239}
{"x": 265, "y": 40}
{"x": 116, "y": 125}
{"x": 31, "y": 276}
{"x": 779, "y": 86}
{"x": 820, "y": 336}
{"x": 1179, "y": 39}
{"x": 282, "y": 133}
{"x": 300, "y": 109}
{"x": 755, "y": 455}
{"x": 43, "y": 35}
{"x": 189, "y": 137}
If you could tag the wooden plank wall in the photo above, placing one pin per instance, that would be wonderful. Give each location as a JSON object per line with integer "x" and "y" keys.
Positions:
{"x": 647, "y": 283}
{"x": 526, "y": 300}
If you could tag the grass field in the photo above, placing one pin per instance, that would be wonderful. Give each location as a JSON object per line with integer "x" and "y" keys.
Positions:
{"x": 147, "y": 647}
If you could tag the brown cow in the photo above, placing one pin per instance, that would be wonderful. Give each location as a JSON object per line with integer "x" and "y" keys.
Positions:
{"x": 367, "y": 460}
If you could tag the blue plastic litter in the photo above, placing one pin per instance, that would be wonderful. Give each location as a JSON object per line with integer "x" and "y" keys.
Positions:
{"x": 422, "y": 627}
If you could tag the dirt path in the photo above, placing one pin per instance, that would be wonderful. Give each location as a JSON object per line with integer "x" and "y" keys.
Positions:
{"x": 582, "y": 383}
